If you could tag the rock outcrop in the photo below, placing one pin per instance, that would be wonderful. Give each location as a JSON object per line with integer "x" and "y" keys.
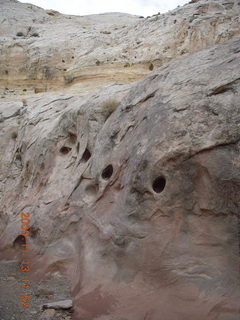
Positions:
{"x": 45, "y": 50}
{"x": 133, "y": 189}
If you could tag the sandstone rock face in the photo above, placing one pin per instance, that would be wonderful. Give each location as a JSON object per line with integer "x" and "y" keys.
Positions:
{"x": 45, "y": 50}
{"x": 133, "y": 188}
{"x": 140, "y": 208}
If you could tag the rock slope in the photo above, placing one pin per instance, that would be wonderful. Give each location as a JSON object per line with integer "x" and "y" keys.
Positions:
{"x": 133, "y": 188}
{"x": 142, "y": 207}
{"x": 45, "y": 50}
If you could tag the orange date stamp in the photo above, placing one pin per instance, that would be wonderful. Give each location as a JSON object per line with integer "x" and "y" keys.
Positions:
{"x": 25, "y": 264}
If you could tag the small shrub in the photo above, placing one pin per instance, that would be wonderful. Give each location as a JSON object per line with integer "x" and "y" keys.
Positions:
{"x": 19, "y": 34}
{"x": 108, "y": 107}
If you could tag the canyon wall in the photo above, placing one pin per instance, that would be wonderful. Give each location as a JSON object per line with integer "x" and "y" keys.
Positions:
{"x": 133, "y": 188}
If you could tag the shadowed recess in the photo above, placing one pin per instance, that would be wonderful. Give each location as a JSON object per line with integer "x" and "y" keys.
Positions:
{"x": 107, "y": 172}
{"x": 159, "y": 184}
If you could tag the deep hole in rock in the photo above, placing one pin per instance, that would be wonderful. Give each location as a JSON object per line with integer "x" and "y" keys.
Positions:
{"x": 159, "y": 184}
{"x": 65, "y": 150}
{"x": 78, "y": 146}
{"x": 107, "y": 172}
{"x": 19, "y": 241}
{"x": 86, "y": 155}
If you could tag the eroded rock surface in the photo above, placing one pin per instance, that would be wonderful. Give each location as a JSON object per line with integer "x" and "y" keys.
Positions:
{"x": 45, "y": 50}
{"x": 133, "y": 188}
{"x": 140, "y": 208}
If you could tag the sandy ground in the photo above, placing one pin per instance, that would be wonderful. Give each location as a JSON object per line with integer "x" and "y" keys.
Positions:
{"x": 41, "y": 292}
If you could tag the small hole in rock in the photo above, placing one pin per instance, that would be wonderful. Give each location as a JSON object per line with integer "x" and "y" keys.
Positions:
{"x": 63, "y": 60}
{"x": 72, "y": 137}
{"x": 159, "y": 184}
{"x": 86, "y": 155}
{"x": 65, "y": 150}
{"x": 78, "y": 146}
{"x": 107, "y": 172}
{"x": 151, "y": 67}
{"x": 33, "y": 232}
{"x": 19, "y": 241}
{"x": 91, "y": 190}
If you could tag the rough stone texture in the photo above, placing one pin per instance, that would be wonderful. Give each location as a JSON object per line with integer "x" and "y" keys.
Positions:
{"x": 91, "y": 51}
{"x": 135, "y": 253}
{"x": 140, "y": 209}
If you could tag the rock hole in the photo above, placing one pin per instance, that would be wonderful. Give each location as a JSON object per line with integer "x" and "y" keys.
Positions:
{"x": 91, "y": 190}
{"x": 78, "y": 146}
{"x": 151, "y": 67}
{"x": 14, "y": 135}
{"x": 33, "y": 232}
{"x": 72, "y": 137}
{"x": 86, "y": 155}
{"x": 65, "y": 150}
{"x": 19, "y": 34}
{"x": 107, "y": 172}
{"x": 159, "y": 184}
{"x": 19, "y": 241}
{"x": 63, "y": 60}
